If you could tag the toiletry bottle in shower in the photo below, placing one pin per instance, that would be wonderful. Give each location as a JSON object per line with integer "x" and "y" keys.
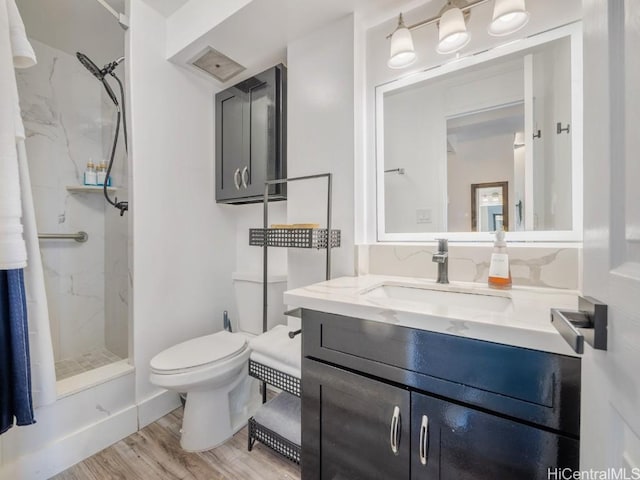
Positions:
{"x": 90, "y": 176}
{"x": 100, "y": 174}
{"x": 107, "y": 180}
{"x": 499, "y": 270}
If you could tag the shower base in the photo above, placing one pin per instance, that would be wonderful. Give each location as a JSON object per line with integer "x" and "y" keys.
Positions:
{"x": 83, "y": 363}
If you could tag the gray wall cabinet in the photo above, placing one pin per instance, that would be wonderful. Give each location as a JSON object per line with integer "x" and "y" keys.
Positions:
{"x": 251, "y": 138}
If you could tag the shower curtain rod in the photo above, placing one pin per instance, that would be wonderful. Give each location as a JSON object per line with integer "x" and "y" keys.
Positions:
{"x": 123, "y": 20}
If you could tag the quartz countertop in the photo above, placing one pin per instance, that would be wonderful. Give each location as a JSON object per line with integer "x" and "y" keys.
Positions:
{"x": 523, "y": 322}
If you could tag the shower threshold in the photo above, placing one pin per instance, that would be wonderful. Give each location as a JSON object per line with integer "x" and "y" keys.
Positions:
{"x": 85, "y": 362}
{"x": 99, "y": 367}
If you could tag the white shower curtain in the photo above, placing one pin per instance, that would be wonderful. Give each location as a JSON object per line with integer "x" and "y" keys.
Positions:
{"x": 15, "y": 190}
{"x": 43, "y": 374}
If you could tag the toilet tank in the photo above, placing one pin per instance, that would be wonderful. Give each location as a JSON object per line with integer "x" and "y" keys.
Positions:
{"x": 248, "y": 291}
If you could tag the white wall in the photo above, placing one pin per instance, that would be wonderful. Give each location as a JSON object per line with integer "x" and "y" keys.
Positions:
{"x": 321, "y": 133}
{"x": 482, "y": 160}
{"x": 552, "y": 152}
{"x": 184, "y": 243}
{"x": 414, "y": 140}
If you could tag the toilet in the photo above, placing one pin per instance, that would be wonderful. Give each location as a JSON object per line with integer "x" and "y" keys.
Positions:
{"x": 213, "y": 369}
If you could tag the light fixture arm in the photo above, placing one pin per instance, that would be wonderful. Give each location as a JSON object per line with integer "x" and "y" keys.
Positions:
{"x": 436, "y": 19}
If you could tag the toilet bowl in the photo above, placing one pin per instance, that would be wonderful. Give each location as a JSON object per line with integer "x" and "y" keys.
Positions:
{"x": 213, "y": 369}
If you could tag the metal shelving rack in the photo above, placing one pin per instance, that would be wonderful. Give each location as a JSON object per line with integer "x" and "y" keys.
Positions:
{"x": 318, "y": 238}
{"x": 293, "y": 237}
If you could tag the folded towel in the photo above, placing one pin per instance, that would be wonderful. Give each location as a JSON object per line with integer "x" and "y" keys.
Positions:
{"x": 14, "y": 49}
{"x": 276, "y": 346}
{"x": 282, "y": 415}
{"x": 23, "y": 54}
{"x": 271, "y": 362}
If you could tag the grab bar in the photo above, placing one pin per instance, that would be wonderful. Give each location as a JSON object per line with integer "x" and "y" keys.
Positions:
{"x": 79, "y": 237}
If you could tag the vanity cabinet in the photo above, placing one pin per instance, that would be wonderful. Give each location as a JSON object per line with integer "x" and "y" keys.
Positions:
{"x": 251, "y": 138}
{"x": 381, "y": 401}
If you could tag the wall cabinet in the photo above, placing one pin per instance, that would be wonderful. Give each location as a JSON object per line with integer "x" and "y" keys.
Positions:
{"x": 374, "y": 409}
{"x": 251, "y": 138}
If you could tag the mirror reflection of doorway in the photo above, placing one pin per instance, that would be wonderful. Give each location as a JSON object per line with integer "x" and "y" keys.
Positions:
{"x": 489, "y": 206}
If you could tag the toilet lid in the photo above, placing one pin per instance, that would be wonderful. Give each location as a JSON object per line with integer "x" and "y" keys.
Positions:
{"x": 199, "y": 351}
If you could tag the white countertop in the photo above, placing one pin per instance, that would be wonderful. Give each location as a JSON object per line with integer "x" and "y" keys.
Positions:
{"x": 525, "y": 322}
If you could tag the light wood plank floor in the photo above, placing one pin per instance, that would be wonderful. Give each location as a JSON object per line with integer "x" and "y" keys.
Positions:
{"x": 154, "y": 453}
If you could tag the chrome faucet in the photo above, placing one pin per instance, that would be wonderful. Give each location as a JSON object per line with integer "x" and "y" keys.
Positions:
{"x": 442, "y": 259}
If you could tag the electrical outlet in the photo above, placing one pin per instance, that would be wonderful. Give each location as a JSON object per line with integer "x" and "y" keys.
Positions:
{"x": 423, "y": 215}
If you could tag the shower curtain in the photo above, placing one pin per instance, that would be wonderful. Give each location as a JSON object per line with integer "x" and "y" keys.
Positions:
{"x": 17, "y": 299}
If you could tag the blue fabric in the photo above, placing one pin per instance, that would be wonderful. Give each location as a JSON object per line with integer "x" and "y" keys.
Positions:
{"x": 15, "y": 371}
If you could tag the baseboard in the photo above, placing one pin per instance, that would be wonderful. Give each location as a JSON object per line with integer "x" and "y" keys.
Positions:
{"x": 157, "y": 406}
{"x": 57, "y": 456}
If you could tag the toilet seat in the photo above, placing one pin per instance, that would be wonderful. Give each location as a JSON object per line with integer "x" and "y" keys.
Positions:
{"x": 198, "y": 353}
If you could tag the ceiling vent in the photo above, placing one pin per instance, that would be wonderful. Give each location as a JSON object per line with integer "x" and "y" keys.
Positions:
{"x": 219, "y": 66}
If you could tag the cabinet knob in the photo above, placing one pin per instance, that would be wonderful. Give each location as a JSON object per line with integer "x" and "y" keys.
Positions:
{"x": 245, "y": 176}
{"x": 236, "y": 178}
{"x": 424, "y": 440}
{"x": 394, "y": 435}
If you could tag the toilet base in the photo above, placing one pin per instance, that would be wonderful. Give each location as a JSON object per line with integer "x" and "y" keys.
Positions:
{"x": 212, "y": 416}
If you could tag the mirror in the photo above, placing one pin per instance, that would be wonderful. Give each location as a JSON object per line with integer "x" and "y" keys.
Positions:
{"x": 504, "y": 123}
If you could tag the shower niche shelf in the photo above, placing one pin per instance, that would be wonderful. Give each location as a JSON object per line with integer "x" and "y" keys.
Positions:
{"x": 89, "y": 189}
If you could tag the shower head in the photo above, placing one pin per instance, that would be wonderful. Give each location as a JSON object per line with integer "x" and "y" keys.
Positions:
{"x": 101, "y": 73}
{"x": 89, "y": 65}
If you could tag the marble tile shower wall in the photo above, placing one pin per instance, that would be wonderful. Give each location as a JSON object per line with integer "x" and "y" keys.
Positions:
{"x": 530, "y": 266}
{"x": 65, "y": 114}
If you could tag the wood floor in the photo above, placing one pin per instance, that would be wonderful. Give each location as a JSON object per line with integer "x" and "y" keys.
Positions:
{"x": 154, "y": 453}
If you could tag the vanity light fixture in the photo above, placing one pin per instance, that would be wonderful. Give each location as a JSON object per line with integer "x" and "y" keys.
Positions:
{"x": 452, "y": 31}
{"x": 402, "y": 52}
{"x": 509, "y": 16}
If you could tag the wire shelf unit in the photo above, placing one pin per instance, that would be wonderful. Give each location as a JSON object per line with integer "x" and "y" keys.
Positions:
{"x": 278, "y": 379}
{"x": 293, "y": 237}
{"x": 272, "y": 440}
{"x": 319, "y": 238}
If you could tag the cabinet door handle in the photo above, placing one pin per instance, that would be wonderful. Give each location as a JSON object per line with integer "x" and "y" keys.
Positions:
{"x": 245, "y": 176}
{"x": 424, "y": 439}
{"x": 395, "y": 430}
{"x": 236, "y": 178}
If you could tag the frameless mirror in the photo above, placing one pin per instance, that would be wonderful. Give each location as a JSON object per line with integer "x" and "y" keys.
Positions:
{"x": 490, "y": 140}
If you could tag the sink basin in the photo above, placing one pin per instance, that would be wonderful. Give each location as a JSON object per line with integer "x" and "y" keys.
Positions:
{"x": 450, "y": 296}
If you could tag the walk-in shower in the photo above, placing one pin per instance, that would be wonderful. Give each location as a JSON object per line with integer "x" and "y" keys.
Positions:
{"x": 71, "y": 119}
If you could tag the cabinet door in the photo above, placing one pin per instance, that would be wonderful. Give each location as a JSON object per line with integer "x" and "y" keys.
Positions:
{"x": 229, "y": 143}
{"x": 454, "y": 442}
{"x": 261, "y": 130}
{"x": 348, "y": 427}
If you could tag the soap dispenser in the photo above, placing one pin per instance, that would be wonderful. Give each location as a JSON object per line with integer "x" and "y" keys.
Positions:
{"x": 499, "y": 270}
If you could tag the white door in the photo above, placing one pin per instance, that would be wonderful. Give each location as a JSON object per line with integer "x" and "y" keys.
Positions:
{"x": 610, "y": 416}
